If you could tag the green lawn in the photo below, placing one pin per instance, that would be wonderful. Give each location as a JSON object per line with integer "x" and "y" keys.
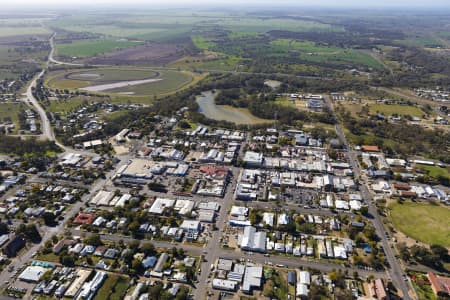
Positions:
{"x": 114, "y": 287}
{"x": 86, "y": 48}
{"x": 424, "y": 222}
{"x": 120, "y": 289}
{"x": 435, "y": 171}
{"x": 50, "y": 257}
{"x": 390, "y": 109}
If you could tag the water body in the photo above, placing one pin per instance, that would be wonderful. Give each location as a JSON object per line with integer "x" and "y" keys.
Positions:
{"x": 208, "y": 107}
{"x": 110, "y": 86}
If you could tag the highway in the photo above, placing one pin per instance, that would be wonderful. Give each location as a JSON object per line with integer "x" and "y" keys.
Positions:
{"x": 395, "y": 270}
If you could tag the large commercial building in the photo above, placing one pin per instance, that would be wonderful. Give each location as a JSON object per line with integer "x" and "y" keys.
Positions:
{"x": 253, "y": 240}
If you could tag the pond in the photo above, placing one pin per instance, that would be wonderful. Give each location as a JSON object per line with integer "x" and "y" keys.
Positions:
{"x": 240, "y": 116}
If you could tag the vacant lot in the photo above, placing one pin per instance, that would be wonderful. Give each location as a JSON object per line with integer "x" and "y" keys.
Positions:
{"x": 424, "y": 222}
{"x": 9, "y": 112}
{"x": 114, "y": 287}
{"x": 87, "y": 48}
{"x": 396, "y": 109}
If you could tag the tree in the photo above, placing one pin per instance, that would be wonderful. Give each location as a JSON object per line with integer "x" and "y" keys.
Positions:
{"x": 3, "y": 228}
{"x": 440, "y": 252}
{"x": 137, "y": 266}
{"x": 49, "y": 218}
{"x": 364, "y": 210}
{"x": 148, "y": 249}
{"x": 67, "y": 260}
{"x": 29, "y": 231}
{"x": 94, "y": 240}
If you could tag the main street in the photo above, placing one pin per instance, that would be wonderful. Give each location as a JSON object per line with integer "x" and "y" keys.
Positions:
{"x": 395, "y": 270}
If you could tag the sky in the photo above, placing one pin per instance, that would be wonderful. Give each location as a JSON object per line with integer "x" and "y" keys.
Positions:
{"x": 253, "y": 3}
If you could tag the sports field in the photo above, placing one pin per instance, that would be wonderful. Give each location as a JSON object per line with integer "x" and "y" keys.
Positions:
{"x": 424, "y": 222}
{"x": 124, "y": 82}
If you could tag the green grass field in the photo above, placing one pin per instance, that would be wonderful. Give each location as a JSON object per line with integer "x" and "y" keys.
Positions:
{"x": 310, "y": 51}
{"x": 8, "y": 31}
{"x": 424, "y": 222}
{"x": 396, "y": 109}
{"x": 435, "y": 171}
{"x": 255, "y": 24}
{"x": 107, "y": 75}
{"x": 10, "y": 112}
{"x": 225, "y": 63}
{"x": 64, "y": 106}
{"x": 172, "y": 81}
{"x": 202, "y": 43}
{"x": 390, "y": 109}
{"x": 114, "y": 287}
{"x": 421, "y": 41}
{"x": 87, "y": 48}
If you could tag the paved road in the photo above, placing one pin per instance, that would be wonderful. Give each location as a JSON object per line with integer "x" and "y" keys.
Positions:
{"x": 291, "y": 262}
{"x": 395, "y": 270}
{"x": 52, "y": 53}
{"x": 211, "y": 251}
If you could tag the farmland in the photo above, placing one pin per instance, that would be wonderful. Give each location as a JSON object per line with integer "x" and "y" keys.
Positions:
{"x": 86, "y": 48}
{"x": 312, "y": 52}
{"x": 423, "y": 222}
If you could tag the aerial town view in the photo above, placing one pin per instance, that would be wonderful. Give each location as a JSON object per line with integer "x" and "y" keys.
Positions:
{"x": 225, "y": 150}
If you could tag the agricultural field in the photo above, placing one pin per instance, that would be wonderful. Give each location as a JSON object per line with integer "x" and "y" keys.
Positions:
{"x": 421, "y": 41}
{"x": 87, "y": 48}
{"x": 150, "y": 54}
{"x": 124, "y": 82}
{"x": 312, "y": 52}
{"x": 256, "y": 24}
{"x": 424, "y": 222}
{"x": 390, "y": 109}
{"x": 202, "y": 43}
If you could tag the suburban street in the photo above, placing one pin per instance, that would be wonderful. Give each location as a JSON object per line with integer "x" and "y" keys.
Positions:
{"x": 395, "y": 270}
